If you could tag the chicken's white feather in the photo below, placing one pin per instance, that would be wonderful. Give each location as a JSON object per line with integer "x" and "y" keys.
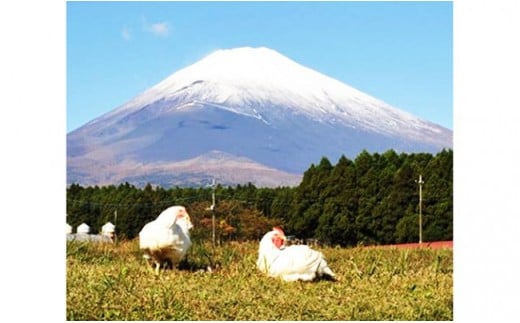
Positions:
{"x": 167, "y": 238}
{"x": 291, "y": 263}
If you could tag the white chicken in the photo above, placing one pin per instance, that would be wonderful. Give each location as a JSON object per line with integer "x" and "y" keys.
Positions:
{"x": 290, "y": 263}
{"x": 167, "y": 238}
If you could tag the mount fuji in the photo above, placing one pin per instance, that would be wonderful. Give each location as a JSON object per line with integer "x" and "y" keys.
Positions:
{"x": 240, "y": 115}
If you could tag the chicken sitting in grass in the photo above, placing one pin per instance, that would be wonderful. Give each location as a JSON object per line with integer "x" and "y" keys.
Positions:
{"x": 166, "y": 240}
{"x": 290, "y": 263}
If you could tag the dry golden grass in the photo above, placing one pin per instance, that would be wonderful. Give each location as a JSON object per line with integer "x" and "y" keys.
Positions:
{"x": 113, "y": 282}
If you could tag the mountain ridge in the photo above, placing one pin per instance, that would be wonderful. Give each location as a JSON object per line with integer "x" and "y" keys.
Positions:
{"x": 225, "y": 168}
{"x": 253, "y": 103}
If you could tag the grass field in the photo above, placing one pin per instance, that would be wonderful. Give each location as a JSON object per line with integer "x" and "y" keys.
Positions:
{"x": 113, "y": 282}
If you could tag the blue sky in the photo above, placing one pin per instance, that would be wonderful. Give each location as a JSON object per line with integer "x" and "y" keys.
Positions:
{"x": 399, "y": 52}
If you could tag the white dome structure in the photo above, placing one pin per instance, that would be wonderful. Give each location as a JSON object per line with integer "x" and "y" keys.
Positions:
{"x": 68, "y": 228}
{"x": 82, "y": 234}
{"x": 83, "y": 228}
{"x": 108, "y": 230}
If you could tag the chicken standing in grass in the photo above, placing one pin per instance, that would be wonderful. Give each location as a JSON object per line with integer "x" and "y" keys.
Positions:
{"x": 290, "y": 263}
{"x": 166, "y": 240}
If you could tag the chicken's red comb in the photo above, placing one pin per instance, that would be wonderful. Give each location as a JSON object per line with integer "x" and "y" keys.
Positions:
{"x": 279, "y": 230}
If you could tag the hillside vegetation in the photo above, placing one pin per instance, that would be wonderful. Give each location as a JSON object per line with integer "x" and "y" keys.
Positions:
{"x": 373, "y": 199}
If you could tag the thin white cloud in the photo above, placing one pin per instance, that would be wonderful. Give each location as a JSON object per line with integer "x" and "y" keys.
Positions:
{"x": 125, "y": 33}
{"x": 160, "y": 29}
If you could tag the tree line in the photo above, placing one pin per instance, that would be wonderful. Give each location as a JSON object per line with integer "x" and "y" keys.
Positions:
{"x": 372, "y": 199}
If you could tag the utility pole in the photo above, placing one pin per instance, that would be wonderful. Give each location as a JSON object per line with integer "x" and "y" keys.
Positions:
{"x": 115, "y": 226}
{"x": 213, "y": 213}
{"x": 420, "y": 182}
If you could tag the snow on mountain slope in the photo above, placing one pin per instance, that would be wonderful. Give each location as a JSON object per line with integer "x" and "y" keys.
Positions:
{"x": 254, "y": 103}
{"x": 250, "y": 81}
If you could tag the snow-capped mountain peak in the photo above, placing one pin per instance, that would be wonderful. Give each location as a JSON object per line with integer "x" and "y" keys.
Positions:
{"x": 254, "y": 103}
{"x": 251, "y": 81}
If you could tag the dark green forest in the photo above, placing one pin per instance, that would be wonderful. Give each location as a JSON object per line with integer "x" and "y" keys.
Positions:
{"x": 373, "y": 199}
